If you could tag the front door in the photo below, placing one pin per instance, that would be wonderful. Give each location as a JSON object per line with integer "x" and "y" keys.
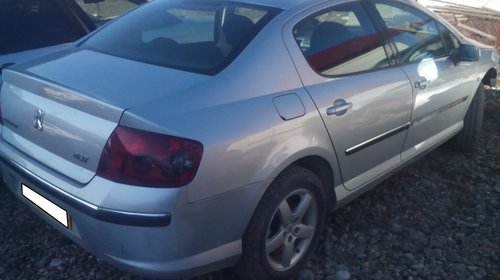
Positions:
{"x": 441, "y": 85}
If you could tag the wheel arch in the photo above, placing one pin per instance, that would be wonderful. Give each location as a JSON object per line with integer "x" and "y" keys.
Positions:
{"x": 490, "y": 77}
{"x": 272, "y": 225}
{"x": 319, "y": 165}
{"x": 321, "y": 168}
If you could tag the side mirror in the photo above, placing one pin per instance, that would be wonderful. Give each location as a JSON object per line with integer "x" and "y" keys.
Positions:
{"x": 466, "y": 53}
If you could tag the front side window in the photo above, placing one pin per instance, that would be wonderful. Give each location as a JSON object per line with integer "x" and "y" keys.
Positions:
{"x": 195, "y": 36}
{"x": 450, "y": 41}
{"x": 31, "y": 24}
{"x": 415, "y": 34}
{"x": 340, "y": 41}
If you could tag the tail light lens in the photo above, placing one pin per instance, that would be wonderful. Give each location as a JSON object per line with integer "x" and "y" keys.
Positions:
{"x": 138, "y": 157}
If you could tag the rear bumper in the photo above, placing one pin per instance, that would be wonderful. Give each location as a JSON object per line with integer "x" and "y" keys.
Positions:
{"x": 188, "y": 240}
{"x": 99, "y": 213}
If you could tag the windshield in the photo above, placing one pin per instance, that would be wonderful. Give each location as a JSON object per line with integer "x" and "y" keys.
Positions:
{"x": 197, "y": 36}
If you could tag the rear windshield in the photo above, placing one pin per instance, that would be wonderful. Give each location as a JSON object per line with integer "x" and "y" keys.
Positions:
{"x": 197, "y": 36}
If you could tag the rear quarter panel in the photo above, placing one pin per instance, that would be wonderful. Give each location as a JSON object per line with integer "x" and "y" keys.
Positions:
{"x": 245, "y": 140}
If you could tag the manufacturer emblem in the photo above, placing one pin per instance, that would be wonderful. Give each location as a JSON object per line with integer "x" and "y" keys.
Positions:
{"x": 39, "y": 119}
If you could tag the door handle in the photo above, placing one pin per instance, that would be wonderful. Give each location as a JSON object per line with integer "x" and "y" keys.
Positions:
{"x": 422, "y": 83}
{"x": 340, "y": 107}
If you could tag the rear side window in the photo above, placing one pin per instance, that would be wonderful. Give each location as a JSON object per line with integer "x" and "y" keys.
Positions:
{"x": 415, "y": 34}
{"x": 189, "y": 26}
{"x": 340, "y": 41}
{"x": 195, "y": 36}
{"x": 30, "y": 24}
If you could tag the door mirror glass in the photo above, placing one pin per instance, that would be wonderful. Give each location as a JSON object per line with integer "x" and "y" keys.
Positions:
{"x": 468, "y": 53}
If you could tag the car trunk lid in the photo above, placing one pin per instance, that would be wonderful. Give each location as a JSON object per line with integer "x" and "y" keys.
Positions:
{"x": 66, "y": 127}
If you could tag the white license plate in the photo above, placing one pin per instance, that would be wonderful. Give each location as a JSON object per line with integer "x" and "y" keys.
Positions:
{"x": 47, "y": 206}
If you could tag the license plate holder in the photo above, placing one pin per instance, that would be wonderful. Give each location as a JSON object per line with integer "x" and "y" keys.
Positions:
{"x": 50, "y": 208}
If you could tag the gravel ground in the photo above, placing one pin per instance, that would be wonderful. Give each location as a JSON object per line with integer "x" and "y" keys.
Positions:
{"x": 437, "y": 219}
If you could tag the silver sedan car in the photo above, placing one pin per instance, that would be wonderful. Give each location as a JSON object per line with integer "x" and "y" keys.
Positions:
{"x": 188, "y": 136}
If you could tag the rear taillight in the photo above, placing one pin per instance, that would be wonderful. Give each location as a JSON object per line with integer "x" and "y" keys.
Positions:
{"x": 138, "y": 157}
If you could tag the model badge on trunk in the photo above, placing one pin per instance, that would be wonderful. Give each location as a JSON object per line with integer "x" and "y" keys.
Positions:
{"x": 39, "y": 119}
{"x": 80, "y": 157}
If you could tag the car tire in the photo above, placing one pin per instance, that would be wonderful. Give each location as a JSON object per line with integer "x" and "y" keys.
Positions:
{"x": 466, "y": 139}
{"x": 285, "y": 227}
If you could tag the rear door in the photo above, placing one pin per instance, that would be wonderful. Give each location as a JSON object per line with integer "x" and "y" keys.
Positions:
{"x": 441, "y": 87}
{"x": 365, "y": 101}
